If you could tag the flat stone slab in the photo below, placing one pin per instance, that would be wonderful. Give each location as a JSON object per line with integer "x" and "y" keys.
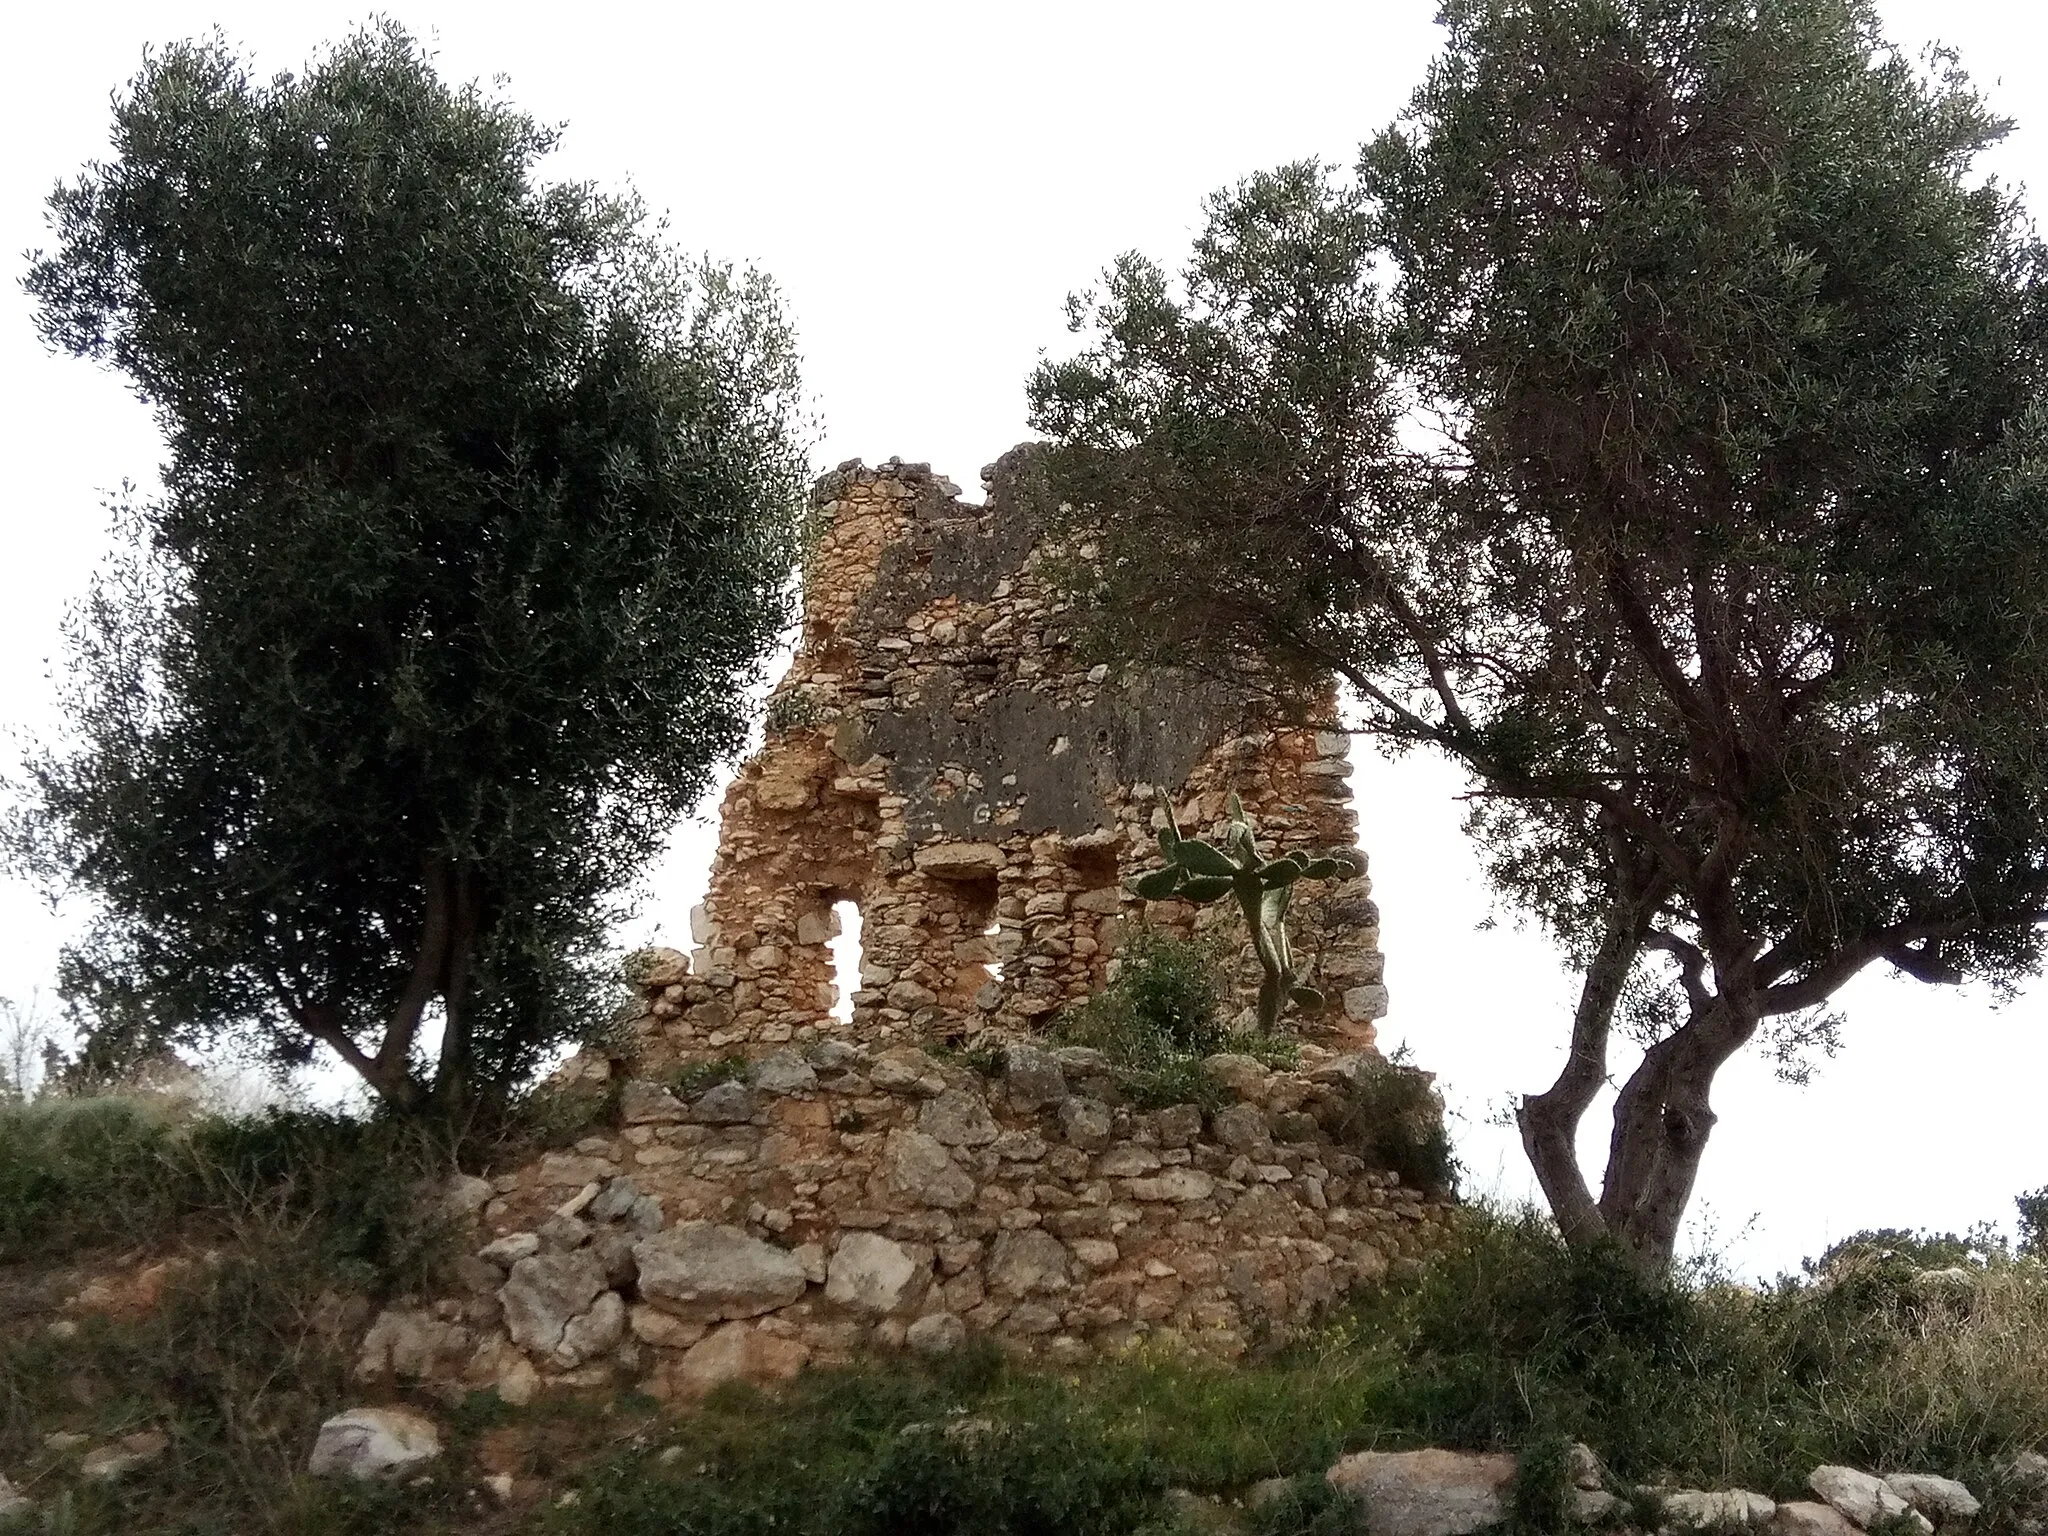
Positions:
{"x": 1426, "y": 1493}
{"x": 711, "y": 1273}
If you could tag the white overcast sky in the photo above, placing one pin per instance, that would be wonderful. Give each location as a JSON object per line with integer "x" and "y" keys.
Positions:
{"x": 927, "y": 181}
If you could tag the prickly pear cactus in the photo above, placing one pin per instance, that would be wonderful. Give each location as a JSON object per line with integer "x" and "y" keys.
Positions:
{"x": 1200, "y": 872}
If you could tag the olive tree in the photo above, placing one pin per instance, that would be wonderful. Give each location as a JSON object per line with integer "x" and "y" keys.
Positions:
{"x": 478, "y": 518}
{"x": 1652, "y": 423}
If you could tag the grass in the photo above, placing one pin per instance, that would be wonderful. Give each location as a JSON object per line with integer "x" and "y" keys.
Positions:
{"x": 1506, "y": 1341}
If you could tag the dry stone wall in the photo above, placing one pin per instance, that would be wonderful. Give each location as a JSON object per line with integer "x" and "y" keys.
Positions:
{"x": 791, "y": 1182}
{"x": 836, "y": 1199}
{"x": 937, "y": 756}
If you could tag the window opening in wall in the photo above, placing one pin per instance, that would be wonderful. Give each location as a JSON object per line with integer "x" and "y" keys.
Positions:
{"x": 994, "y": 964}
{"x": 844, "y": 947}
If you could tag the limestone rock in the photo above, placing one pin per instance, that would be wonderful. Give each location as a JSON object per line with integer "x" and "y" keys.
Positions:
{"x": 958, "y": 1119}
{"x": 735, "y": 1352}
{"x": 1592, "y": 1506}
{"x": 959, "y": 861}
{"x": 1242, "y": 1075}
{"x": 1940, "y": 1499}
{"x": 614, "y": 1201}
{"x": 920, "y": 1168}
{"x": 1175, "y": 1184}
{"x": 712, "y": 1272}
{"x": 543, "y": 1292}
{"x": 1807, "y": 1519}
{"x": 499, "y": 1366}
{"x": 907, "y": 1070}
{"x": 652, "y": 969}
{"x": 651, "y": 1325}
{"x": 784, "y": 1073}
{"x": 374, "y": 1443}
{"x": 1127, "y": 1162}
{"x": 1086, "y": 1123}
{"x": 1860, "y": 1497}
{"x": 1582, "y": 1462}
{"x": 644, "y": 1103}
{"x": 463, "y": 1196}
{"x": 1094, "y": 1252}
{"x": 1241, "y": 1127}
{"x": 1426, "y": 1493}
{"x": 594, "y": 1332}
{"x": 1690, "y": 1509}
{"x": 1366, "y": 1003}
{"x": 939, "y": 1333}
{"x": 1027, "y": 1262}
{"x": 725, "y": 1104}
{"x": 1033, "y": 1077}
{"x": 13, "y": 1502}
{"x": 910, "y": 996}
{"x": 871, "y": 1274}
{"x": 114, "y": 1461}
{"x": 510, "y": 1249}
{"x": 560, "y": 1234}
{"x": 408, "y": 1343}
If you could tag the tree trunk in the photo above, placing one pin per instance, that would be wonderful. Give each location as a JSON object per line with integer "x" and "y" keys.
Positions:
{"x": 1549, "y": 1121}
{"x": 1662, "y": 1123}
{"x": 452, "y": 1074}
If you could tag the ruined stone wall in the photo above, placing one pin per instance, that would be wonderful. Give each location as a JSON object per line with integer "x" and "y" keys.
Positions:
{"x": 788, "y": 1186}
{"x": 936, "y": 755}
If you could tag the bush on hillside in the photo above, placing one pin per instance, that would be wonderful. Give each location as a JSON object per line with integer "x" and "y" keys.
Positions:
{"x": 1161, "y": 1015}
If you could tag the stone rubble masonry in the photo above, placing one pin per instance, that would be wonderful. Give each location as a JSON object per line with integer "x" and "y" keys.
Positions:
{"x": 937, "y": 756}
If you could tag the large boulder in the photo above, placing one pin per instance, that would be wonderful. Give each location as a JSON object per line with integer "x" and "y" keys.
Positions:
{"x": 708, "y": 1273}
{"x": 1861, "y": 1498}
{"x": 546, "y": 1290}
{"x": 1940, "y": 1499}
{"x": 13, "y": 1501}
{"x": 374, "y": 1443}
{"x": 871, "y": 1274}
{"x": 1426, "y": 1493}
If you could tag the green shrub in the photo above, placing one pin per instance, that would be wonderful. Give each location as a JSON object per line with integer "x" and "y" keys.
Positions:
{"x": 1156, "y": 1022}
{"x": 1310, "y": 1507}
{"x": 2033, "y": 1224}
{"x": 700, "y": 1076}
{"x": 1174, "y": 990}
{"x": 78, "y": 1172}
{"x": 1036, "y": 1479}
{"x": 1393, "y": 1119}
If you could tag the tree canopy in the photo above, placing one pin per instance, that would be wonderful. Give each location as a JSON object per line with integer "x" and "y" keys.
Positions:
{"x": 1652, "y": 424}
{"x": 478, "y": 519}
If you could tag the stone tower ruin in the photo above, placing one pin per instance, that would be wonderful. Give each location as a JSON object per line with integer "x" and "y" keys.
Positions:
{"x": 777, "y": 1179}
{"x": 937, "y": 756}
